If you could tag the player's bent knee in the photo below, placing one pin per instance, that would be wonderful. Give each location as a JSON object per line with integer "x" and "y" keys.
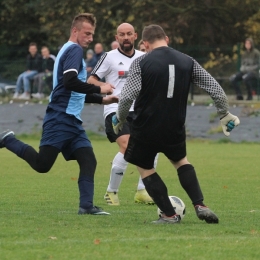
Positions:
{"x": 122, "y": 142}
{"x": 43, "y": 169}
{"x": 178, "y": 164}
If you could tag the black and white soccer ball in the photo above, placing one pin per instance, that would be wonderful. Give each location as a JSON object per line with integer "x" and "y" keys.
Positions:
{"x": 178, "y": 205}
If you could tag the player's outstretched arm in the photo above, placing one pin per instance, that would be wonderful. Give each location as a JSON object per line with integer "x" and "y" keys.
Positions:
{"x": 202, "y": 79}
{"x": 71, "y": 82}
{"x": 228, "y": 122}
{"x": 99, "y": 99}
{"x": 109, "y": 99}
{"x": 130, "y": 90}
{"x": 94, "y": 80}
{"x": 105, "y": 88}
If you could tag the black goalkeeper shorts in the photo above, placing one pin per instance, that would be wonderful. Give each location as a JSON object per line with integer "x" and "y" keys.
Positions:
{"x": 109, "y": 128}
{"x": 143, "y": 154}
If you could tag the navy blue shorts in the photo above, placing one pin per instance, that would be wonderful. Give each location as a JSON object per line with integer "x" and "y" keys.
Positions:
{"x": 64, "y": 132}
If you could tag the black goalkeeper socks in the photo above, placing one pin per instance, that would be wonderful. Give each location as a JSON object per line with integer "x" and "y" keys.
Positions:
{"x": 157, "y": 189}
{"x": 190, "y": 184}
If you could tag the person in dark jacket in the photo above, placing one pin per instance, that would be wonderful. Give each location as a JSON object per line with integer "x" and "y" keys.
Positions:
{"x": 45, "y": 76}
{"x": 248, "y": 71}
{"x": 99, "y": 51}
{"x": 91, "y": 61}
{"x": 33, "y": 66}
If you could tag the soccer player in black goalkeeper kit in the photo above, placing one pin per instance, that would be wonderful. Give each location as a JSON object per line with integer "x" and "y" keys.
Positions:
{"x": 159, "y": 82}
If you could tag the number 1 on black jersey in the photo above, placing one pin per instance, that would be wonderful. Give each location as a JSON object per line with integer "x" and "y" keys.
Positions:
{"x": 171, "y": 81}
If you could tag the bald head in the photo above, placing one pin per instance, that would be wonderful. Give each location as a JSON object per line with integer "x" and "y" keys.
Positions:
{"x": 126, "y": 37}
{"x": 125, "y": 26}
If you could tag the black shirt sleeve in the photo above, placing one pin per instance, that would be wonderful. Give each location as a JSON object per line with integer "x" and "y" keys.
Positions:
{"x": 93, "y": 98}
{"x": 50, "y": 64}
{"x": 72, "y": 83}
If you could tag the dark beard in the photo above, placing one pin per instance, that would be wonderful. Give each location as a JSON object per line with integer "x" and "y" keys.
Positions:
{"x": 126, "y": 48}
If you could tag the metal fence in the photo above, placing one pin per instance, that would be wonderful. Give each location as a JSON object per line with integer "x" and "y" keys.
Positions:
{"x": 220, "y": 61}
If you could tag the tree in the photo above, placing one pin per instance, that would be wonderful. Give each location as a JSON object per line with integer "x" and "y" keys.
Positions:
{"x": 196, "y": 27}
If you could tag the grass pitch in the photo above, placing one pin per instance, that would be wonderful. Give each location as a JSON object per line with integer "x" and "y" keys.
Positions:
{"x": 38, "y": 212}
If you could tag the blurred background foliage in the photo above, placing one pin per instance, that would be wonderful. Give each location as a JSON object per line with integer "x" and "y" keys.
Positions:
{"x": 211, "y": 31}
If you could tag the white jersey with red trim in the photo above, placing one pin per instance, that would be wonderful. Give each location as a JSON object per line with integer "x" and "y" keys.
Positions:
{"x": 114, "y": 66}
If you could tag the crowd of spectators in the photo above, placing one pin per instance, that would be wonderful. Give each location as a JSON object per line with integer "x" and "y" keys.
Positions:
{"x": 36, "y": 80}
{"x": 38, "y": 73}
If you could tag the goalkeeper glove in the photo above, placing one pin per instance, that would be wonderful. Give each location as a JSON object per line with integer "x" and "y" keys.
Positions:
{"x": 117, "y": 125}
{"x": 228, "y": 122}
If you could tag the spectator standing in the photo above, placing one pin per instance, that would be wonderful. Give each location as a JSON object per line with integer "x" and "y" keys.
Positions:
{"x": 99, "y": 51}
{"x": 90, "y": 61}
{"x": 33, "y": 66}
{"x": 44, "y": 77}
{"x": 141, "y": 46}
{"x": 249, "y": 70}
{"x": 114, "y": 45}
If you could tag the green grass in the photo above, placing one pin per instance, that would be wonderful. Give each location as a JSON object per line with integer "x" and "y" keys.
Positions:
{"x": 38, "y": 212}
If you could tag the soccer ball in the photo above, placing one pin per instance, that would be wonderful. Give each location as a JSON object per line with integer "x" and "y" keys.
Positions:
{"x": 178, "y": 205}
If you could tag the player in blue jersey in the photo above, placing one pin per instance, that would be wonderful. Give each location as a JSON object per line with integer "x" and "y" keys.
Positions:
{"x": 62, "y": 125}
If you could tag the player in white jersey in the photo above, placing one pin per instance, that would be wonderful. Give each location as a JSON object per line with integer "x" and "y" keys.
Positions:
{"x": 114, "y": 66}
